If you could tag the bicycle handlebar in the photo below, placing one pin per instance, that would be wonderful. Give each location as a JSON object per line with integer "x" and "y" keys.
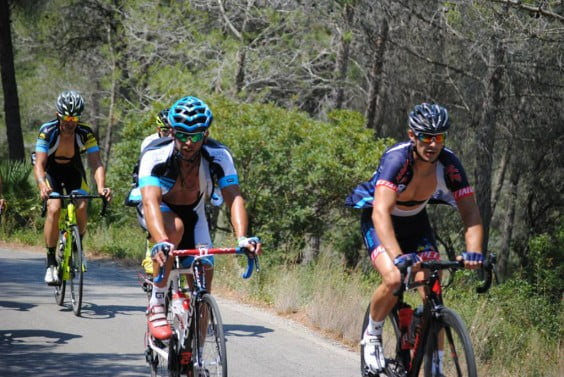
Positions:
{"x": 75, "y": 196}
{"x": 488, "y": 267}
{"x": 252, "y": 262}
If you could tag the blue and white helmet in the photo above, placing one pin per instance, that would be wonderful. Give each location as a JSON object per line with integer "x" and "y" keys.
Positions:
{"x": 190, "y": 114}
{"x": 429, "y": 119}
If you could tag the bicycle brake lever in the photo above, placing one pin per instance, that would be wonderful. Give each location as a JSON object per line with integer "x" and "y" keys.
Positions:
{"x": 488, "y": 268}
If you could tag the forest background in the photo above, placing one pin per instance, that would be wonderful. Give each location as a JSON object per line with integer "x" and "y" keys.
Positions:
{"x": 307, "y": 95}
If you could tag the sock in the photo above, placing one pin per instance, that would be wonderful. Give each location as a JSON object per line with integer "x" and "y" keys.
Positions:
{"x": 374, "y": 327}
{"x": 158, "y": 296}
{"x": 438, "y": 362}
{"x": 51, "y": 260}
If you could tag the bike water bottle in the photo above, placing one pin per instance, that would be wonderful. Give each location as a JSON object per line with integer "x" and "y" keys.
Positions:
{"x": 178, "y": 300}
{"x": 62, "y": 243}
{"x": 405, "y": 314}
{"x": 415, "y": 327}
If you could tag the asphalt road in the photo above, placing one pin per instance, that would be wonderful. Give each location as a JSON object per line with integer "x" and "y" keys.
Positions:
{"x": 40, "y": 338}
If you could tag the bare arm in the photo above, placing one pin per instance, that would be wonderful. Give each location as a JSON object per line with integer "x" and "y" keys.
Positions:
{"x": 384, "y": 202}
{"x": 239, "y": 218}
{"x": 39, "y": 172}
{"x": 473, "y": 229}
{"x": 99, "y": 171}
{"x": 151, "y": 198}
{"x": 236, "y": 203}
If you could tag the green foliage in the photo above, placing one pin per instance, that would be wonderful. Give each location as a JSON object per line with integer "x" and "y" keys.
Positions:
{"x": 295, "y": 171}
{"x": 546, "y": 264}
{"x": 19, "y": 193}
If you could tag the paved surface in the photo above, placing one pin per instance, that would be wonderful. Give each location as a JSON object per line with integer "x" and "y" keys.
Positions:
{"x": 40, "y": 338}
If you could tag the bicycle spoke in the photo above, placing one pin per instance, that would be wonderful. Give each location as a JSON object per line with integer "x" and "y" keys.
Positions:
{"x": 211, "y": 358}
{"x": 77, "y": 272}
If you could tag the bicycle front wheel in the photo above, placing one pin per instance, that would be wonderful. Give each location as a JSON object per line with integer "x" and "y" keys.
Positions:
{"x": 60, "y": 289}
{"x": 77, "y": 272}
{"x": 450, "y": 337}
{"x": 208, "y": 350}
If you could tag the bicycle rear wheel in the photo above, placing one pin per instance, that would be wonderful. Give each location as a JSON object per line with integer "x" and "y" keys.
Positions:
{"x": 458, "y": 355}
{"x": 208, "y": 350}
{"x": 77, "y": 272}
{"x": 390, "y": 337}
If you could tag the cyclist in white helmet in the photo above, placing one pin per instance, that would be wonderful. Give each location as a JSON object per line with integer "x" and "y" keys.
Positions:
{"x": 394, "y": 222}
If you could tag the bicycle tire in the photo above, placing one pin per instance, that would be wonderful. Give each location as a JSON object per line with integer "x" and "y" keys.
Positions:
{"x": 209, "y": 352}
{"x": 458, "y": 359}
{"x": 77, "y": 272}
{"x": 61, "y": 288}
{"x": 157, "y": 364}
{"x": 390, "y": 338}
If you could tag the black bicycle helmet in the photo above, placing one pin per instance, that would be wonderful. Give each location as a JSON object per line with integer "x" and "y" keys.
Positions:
{"x": 162, "y": 119}
{"x": 429, "y": 119}
{"x": 70, "y": 103}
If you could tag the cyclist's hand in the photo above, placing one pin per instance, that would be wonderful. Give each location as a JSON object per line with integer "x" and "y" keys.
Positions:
{"x": 106, "y": 192}
{"x": 472, "y": 260}
{"x": 405, "y": 260}
{"x": 44, "y": 190}
{"x": 160, "y": 251}
{"x": 251, "y": 243}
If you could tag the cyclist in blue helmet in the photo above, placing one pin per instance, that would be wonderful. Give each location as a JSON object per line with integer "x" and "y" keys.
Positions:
{"x": 176, "y": 176}
{"x": 394, "y": 221}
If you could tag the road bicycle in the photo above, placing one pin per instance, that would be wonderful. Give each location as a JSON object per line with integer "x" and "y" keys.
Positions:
{"x": 197, "y": 346}
{"x": 412, "y": 338}
{"x": 71, "y": 261}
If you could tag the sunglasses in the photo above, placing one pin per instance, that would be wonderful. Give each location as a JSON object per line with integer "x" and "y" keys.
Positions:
{"x": 165, "y": 130}
{"x": 183, "y": 137}
{"x": 70, "y": 118}
{"x": 426, "y": 138}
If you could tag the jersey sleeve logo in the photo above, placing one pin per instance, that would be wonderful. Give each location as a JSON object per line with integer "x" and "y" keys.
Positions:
{"x": 453, "y": 173}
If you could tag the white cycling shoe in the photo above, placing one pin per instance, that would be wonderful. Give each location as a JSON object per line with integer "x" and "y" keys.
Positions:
{"x": 373, "y": 352}
{"x": 52, "y": 275}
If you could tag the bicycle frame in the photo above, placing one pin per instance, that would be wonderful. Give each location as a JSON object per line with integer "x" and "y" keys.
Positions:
{"x": 186, "y": 321}
{"x": 433, "y": 306}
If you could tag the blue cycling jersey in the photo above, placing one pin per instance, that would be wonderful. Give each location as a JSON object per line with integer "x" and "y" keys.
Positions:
{"x": 395, "y": 171}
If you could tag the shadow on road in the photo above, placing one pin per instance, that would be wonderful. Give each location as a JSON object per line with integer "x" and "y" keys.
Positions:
{"x": 22, "y": 356}
{"x": 245, "y": 331}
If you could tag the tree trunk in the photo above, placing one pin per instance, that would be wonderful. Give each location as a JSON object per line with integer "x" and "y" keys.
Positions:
{"x": 374, "y": 110}
{"x": 343, "y": 58}
{"x": 16, "y": 150}
{"x": 486, "y": 134}
{"x": 507, "y": 232}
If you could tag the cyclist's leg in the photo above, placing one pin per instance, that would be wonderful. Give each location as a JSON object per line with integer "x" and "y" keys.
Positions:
{"x": 156, "y": 313}
{"x": 382, "y": 300}
{"x": 51, "y": 231}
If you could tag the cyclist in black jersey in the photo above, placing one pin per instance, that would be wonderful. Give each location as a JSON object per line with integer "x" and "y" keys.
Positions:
{"x": 58, "y": 165}
{"x": 176, "y": 176}
{"x": 394, "y": 222}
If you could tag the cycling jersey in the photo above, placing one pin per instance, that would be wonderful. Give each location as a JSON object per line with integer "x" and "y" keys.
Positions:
{"x": 159, "y": 167}
{"x": 396, "y": 171}
{"x": 411, "y": 227}
{"x": 71, "y": 175}
{"x": 148, "y": 140}
{"x": 50, "y": 135}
